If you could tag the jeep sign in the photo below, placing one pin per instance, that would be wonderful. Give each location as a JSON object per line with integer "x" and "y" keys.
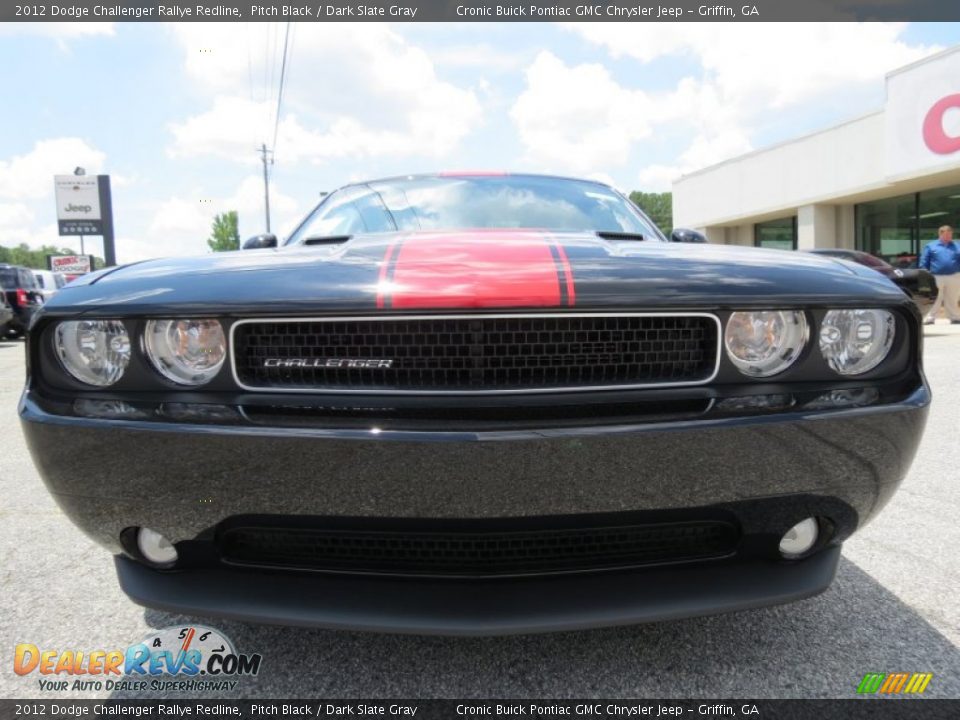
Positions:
{"x": 78, "y": 204}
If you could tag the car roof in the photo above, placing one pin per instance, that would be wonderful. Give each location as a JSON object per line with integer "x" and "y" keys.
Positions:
{"x": 475, "y": 174}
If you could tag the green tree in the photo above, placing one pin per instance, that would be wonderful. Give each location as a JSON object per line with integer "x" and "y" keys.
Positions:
{"x": 659, "y": 206}
{"x": 225, "y": 233}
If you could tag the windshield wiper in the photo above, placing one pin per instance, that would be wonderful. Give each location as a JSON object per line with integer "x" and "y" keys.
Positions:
{"x": 326, "y": 239}
{"x": 613, "y": 235}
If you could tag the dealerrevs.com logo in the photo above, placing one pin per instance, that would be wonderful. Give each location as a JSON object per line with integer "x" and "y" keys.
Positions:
{"x": 174, "y": 659}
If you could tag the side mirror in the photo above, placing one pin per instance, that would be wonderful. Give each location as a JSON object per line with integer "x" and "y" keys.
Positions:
{"x": 687, "y": 236}
{"x": 268, "y": 240}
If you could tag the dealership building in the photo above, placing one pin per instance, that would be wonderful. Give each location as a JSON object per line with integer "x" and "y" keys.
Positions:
{"x": 883, "y": 182}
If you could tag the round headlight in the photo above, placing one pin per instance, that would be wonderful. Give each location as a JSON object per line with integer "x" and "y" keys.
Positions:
{"x": 765, "y": 342}
{"x": 95, "y": 352}
{"x": 855, "y": 341}
{"x": 188, "y": 352}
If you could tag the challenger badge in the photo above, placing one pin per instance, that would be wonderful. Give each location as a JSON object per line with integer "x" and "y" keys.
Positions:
{"x": 327, "y": 363}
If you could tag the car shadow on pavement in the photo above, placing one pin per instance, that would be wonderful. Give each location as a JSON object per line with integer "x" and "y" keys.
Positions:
{"x": 819, "y": 647}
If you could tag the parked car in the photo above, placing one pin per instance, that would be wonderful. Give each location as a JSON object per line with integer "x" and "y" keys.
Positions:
{"x": 23, "y": 294}
{"x": 905, "y": 261}
{"x": 918, "y": 284}
{"x": 6, "y": 313}
{"x": 49, "y": 282}
{"x": 475, "y": 404}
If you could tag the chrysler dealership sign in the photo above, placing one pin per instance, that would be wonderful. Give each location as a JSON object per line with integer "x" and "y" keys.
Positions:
{"x": 78, "y": 204}
{"x": 923, "y": 117}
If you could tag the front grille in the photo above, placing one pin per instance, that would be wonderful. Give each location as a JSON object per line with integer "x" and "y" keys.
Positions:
{"x": 476, "y": 553}
{"x": 475, "y": 353}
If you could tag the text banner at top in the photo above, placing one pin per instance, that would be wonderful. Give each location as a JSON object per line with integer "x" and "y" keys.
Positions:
{"x": 450, "y": 10}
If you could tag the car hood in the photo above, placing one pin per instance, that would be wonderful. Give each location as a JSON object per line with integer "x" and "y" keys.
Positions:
{"x": 474, "y": 269}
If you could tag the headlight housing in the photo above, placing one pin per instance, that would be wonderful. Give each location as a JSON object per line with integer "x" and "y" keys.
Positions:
{"x": 762, "y": 343}
{"x": 95, "y": 352}
{"x": 856, "y": 341}
{"x": 187, "y": 352}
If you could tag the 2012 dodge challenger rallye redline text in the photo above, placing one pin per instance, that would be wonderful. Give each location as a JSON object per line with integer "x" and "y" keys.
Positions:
{"x": 471, "y": 403}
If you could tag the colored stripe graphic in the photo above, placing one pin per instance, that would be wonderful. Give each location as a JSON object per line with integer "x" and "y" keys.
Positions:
{"x": 894, "y": 683}
{"x": 918, "y": 683}
{"x": 476, "y": 269}
{"x": 187, "y": 640}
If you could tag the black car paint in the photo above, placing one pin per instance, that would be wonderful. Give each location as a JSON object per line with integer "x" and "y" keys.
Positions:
{"x": 919, "y": 284}
{"x": 679, "y": 451}
{"x": 342, "y": 278}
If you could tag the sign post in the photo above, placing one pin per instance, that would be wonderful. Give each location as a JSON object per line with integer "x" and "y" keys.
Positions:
{"x": 106, "y": 212}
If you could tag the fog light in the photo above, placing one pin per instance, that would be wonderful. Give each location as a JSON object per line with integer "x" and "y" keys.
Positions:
{"x": 800, "y": 538}
{"x": 155, "y": 548}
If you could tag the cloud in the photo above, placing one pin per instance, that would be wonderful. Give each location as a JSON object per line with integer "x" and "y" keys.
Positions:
{"x": 747, "y": 73}
{"x": 351, "y": 91}
{"x": 780, "y": 64}
{"x": 578, "y": 118}
{"x": 181, "y": 225}
{"x": 57, "y": 30}
{"x": 483, "y": 56}
{"x": 30, "y": 176}
{"x": 14, "y": 217}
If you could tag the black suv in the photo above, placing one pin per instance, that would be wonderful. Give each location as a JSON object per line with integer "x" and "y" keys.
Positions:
{"x": 6, "y": 313}
{"x": 22, "y": 294}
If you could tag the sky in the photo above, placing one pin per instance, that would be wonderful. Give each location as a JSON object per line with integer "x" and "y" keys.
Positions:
{"x": 175, "y": 113}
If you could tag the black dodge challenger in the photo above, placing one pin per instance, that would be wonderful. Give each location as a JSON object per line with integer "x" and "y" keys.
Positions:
{"x": 475, "y": 404}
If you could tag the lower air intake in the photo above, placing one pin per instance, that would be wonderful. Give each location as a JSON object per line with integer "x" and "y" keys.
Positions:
{"x": 476, "y": 553}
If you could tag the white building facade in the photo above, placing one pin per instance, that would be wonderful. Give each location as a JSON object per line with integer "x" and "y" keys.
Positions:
{"x": 882, "y": 183}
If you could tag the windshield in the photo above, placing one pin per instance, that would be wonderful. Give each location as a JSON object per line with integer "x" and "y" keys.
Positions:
{"x": 472, "y": 202}
{"x": 874, "y": 262}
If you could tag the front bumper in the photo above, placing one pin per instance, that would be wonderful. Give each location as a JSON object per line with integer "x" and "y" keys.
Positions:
{"x": 767, "y": 472}
{"x": 474, "y": 607}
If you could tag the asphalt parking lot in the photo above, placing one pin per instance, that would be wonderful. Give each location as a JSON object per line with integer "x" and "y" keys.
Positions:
{"x": 893, "y": 606}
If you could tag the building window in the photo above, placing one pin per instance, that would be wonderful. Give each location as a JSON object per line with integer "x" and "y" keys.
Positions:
{"x": 888, "y": 228}
{"x": 897, "y": 228}
{"x": 936, "y": 208}
{"x": 776, "y": 234}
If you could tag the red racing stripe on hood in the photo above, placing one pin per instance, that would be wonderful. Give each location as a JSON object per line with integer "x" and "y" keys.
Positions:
{"x": 477, "y": 269}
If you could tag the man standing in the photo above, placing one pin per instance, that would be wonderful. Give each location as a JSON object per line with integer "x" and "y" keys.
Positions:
{"x": 942, "y": 258}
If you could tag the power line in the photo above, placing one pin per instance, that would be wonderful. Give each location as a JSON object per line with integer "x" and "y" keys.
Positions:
{"x": 266, "y": 63}
{"x": 283, "y": 73}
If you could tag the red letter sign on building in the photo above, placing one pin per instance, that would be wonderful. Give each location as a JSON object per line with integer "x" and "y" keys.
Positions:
{"x": 933, "y": 133}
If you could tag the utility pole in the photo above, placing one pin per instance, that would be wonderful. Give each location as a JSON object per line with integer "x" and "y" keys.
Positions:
{"x": 266, "y": 183}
